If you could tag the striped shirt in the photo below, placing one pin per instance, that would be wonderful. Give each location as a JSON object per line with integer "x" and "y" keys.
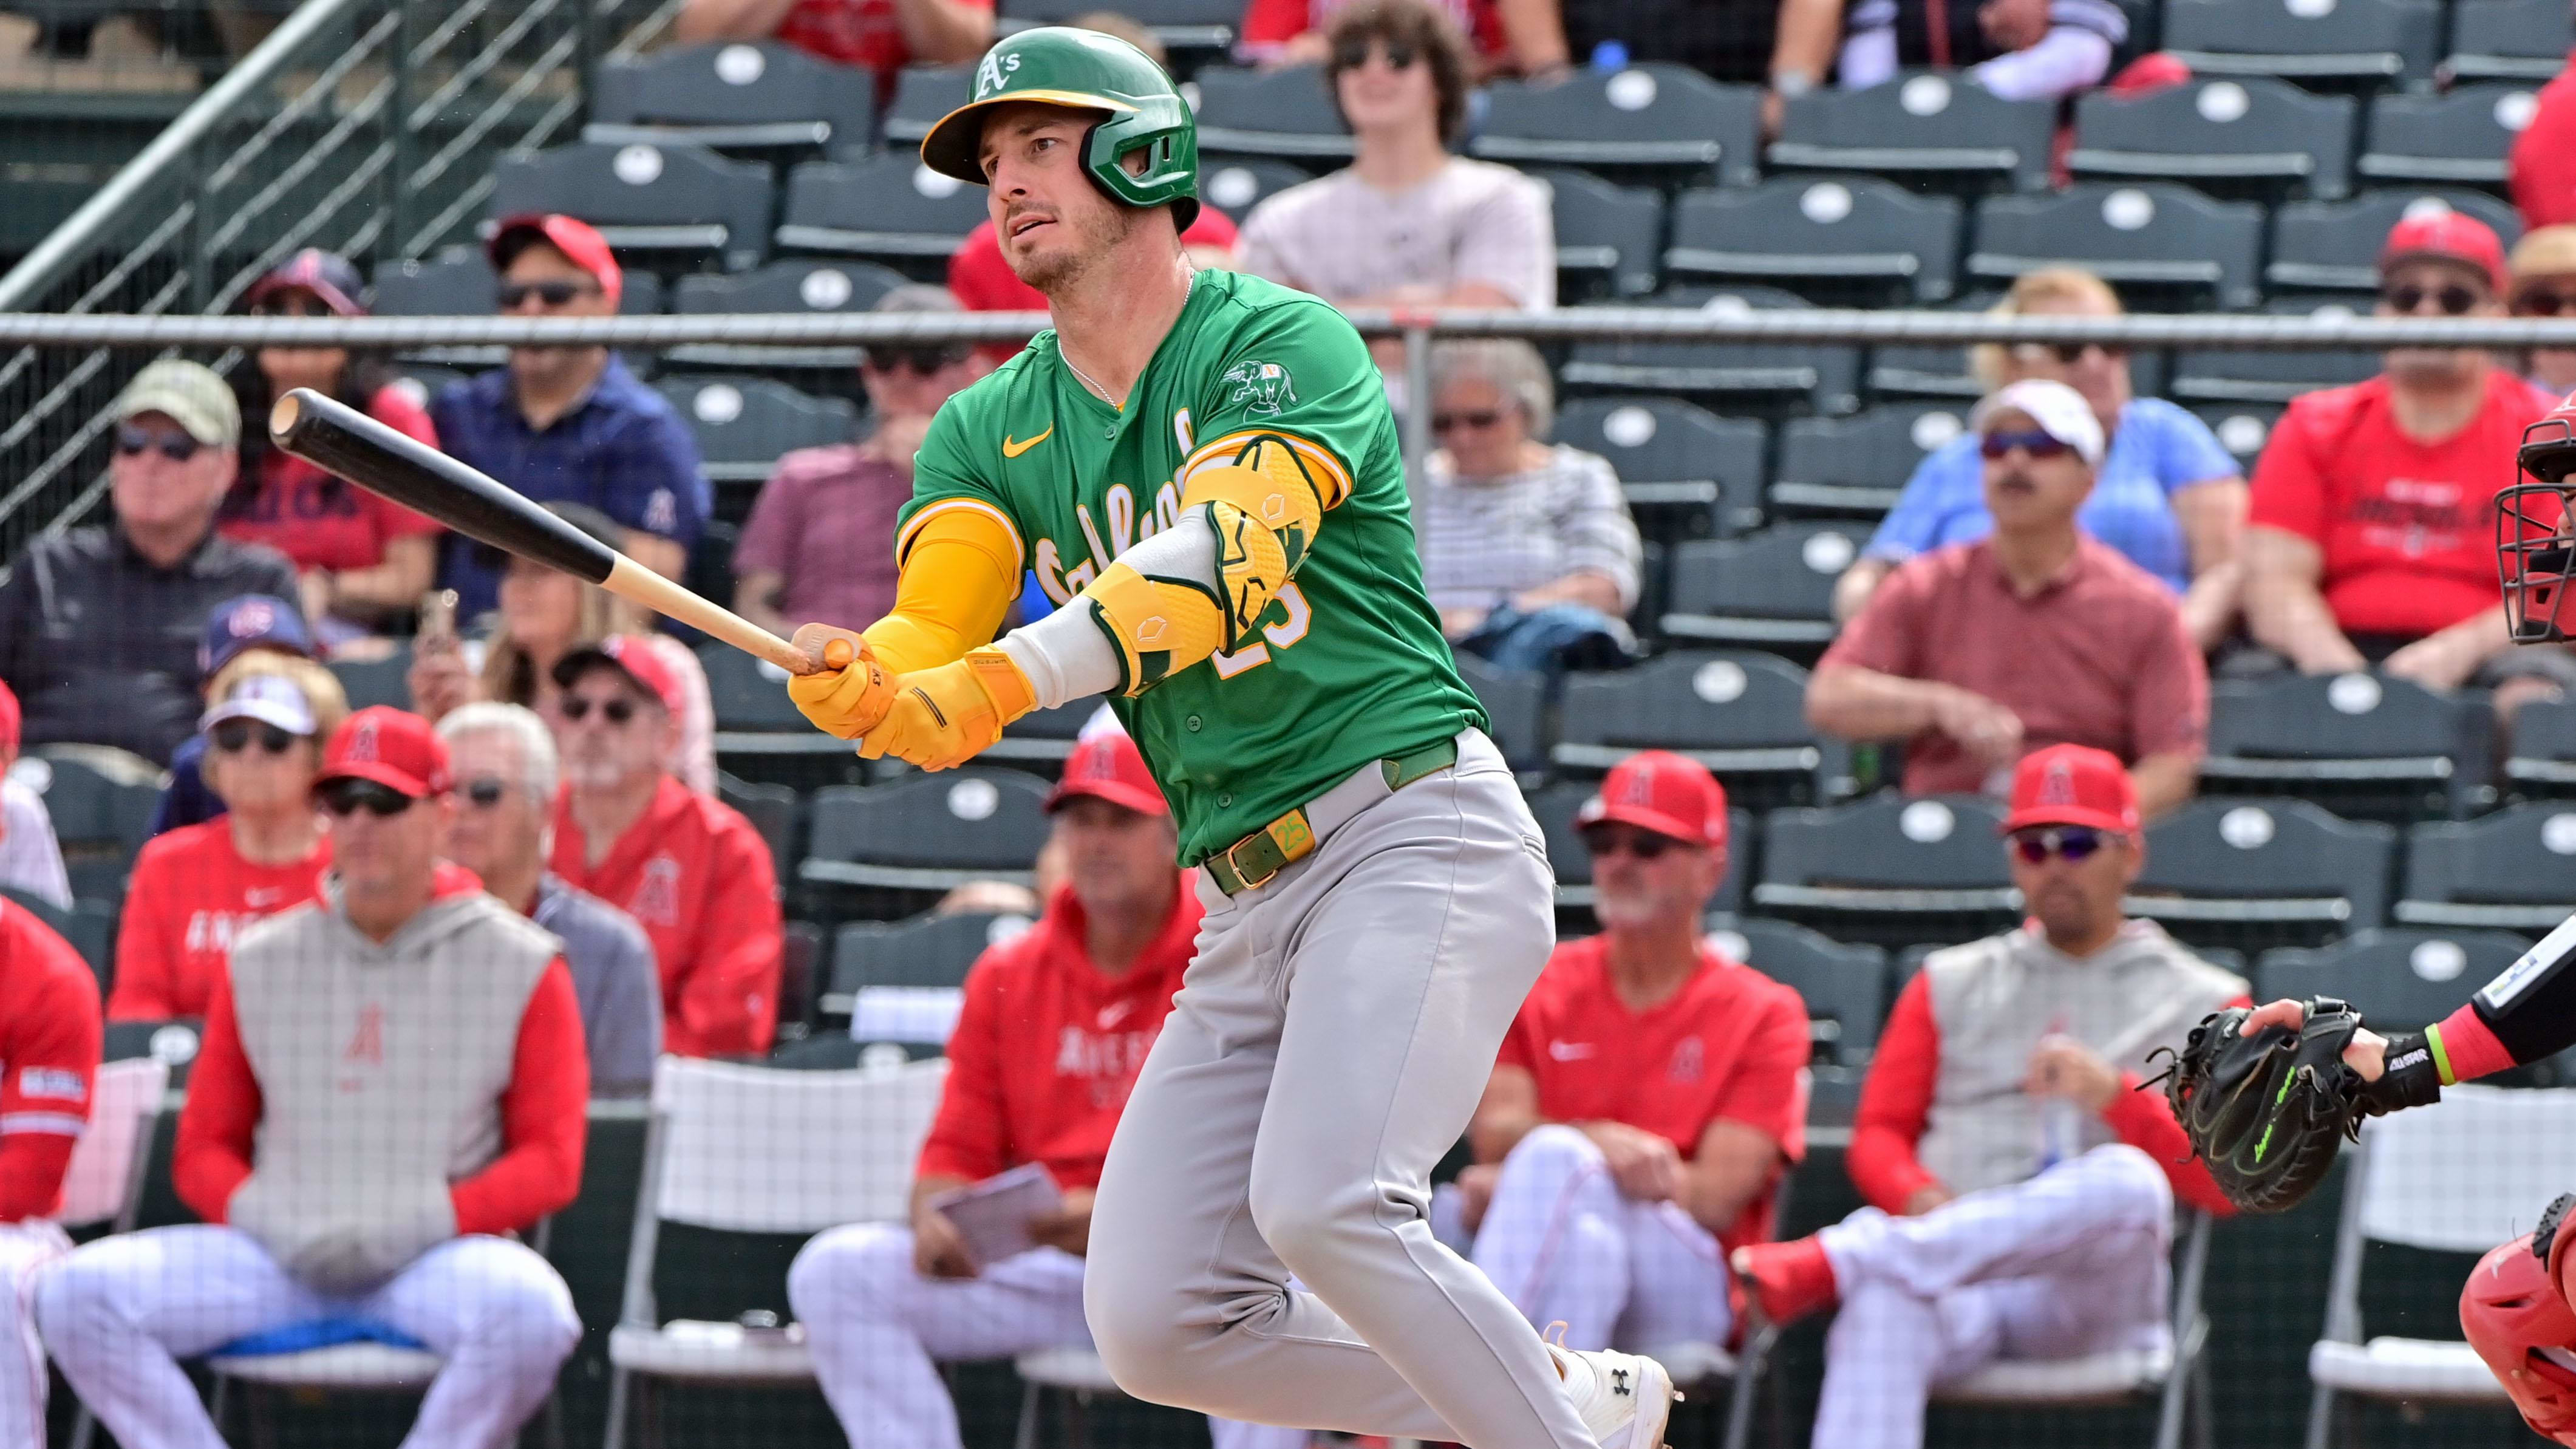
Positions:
{"x": 1488, "y": 539}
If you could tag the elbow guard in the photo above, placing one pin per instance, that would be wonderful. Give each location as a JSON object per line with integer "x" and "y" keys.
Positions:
{"x": 2531, "y": 1006}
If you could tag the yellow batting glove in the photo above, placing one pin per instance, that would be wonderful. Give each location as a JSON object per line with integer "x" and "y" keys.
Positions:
{"x": 945, "y": 716}
{"x": 851, "y": 693}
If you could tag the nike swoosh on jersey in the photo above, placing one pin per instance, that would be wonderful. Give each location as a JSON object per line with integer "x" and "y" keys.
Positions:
{"x": 1013, "y": 450}
{"x": 1569, "y": 1051}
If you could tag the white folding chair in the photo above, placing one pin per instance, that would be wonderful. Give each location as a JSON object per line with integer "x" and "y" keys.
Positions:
{"x": 746, "y": 1149}
{"x": 2173, "y": 1371}
{"x": 104, "y": 1182}
{"x": 2459, "y": 1178}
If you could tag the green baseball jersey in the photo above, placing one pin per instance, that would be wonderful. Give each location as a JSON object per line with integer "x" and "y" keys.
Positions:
{"x": 1350, "y": 665}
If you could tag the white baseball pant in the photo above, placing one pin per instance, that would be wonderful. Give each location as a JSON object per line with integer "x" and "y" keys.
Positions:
{"x": 1328, "y": 1045}
{"x": 878, "y": 1330}
{"x": 121, "y": 1312}
{"x": 1566, "y": 1245}
{"x": 25, "y": 1248}
{"x": 2072, "y": 1261}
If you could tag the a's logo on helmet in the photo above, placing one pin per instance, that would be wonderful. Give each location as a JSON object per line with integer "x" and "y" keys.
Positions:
{"x": 1263, "y": 386}
{"x": 995, "y": 73}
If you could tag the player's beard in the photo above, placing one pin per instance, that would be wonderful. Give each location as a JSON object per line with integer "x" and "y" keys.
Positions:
{"x": 1097, "y": 233}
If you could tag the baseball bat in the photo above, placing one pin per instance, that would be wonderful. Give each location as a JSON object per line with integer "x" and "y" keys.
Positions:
{"x": 338, "y": 438}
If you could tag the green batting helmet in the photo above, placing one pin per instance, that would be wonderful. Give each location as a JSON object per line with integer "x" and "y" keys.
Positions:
{"x": 1086, "y": 70}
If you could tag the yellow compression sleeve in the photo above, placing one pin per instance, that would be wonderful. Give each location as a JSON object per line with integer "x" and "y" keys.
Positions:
{"x": 960, "y": 572}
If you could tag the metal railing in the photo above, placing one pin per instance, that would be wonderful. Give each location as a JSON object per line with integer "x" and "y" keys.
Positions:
{"x": 366, "y": 127}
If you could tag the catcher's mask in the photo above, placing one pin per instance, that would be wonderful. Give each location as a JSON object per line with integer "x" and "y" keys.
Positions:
{"x": 2518, "y": 1320}
{"x": 2535, "y": 552}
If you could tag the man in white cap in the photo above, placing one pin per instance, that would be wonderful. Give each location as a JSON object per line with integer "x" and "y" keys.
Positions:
{"x": 99, "y": 626}
{"x": 1976, "y": 653}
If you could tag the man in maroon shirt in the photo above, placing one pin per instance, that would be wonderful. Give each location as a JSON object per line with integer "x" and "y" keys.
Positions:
{"x": 1976, "y": 653}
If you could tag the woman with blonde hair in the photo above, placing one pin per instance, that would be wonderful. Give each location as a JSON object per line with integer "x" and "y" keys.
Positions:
{"x": 2168, "y": 495}
{"x": 196, "y": 888}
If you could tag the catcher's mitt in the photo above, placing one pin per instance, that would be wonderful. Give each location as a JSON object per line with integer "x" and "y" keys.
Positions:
{"x": 2266, "y": 1112}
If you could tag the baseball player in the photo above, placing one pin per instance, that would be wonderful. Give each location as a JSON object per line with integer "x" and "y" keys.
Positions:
{"x": 49, "y": 1048}
{"x": 1201, "y": 471}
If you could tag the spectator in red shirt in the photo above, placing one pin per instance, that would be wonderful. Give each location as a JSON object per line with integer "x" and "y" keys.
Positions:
{"x": 691, "y": 871}
{"x": 1977, "y": 652}
{"x": 2542, "y": 164}
{"x": 878, "y": 36}
{"x": 2373, "y": 526}
{"x": 391, "y": 1086}
{"x": 1293, "y": 32}
{"x": 197, "y": 888}
{"x": 2020, "y": 1187}
{"x": 819, "y": 545}
{"x": 1055, "y": 1023}
{"x": 1650, "y": 1096}
{"x": 362, "y": 559}
{"x": 49, "y": 1039}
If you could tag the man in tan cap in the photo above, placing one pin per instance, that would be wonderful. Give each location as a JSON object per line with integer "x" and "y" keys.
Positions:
{"x": 2544, "y": 285}
{"x": 99, "y": 625}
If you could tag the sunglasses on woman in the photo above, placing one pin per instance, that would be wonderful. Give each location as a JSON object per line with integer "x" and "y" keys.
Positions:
{"x": 2454, "y": 300}
{"x": 233, "y": 736}
{"x": 2070, "y": 353}
{"x": 132, "y": 440}
{"x": 2541, "y": 302}
{"x": 1452, "y": 422}
{"x": 1355, "y": 54}
{"x": 2038, "y": 445}
{"x": 1643, "y": 844}
{"x": 2070, "y": 843}
{"x": 576, "y": 708}
{"x": 344, "y": 797}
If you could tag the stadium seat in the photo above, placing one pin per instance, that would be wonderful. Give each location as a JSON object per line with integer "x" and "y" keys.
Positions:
{"x": 2343, "y": 43}
{"x": 2409, "y": 979}
{"x": 1857, "y": 240}
{"x": 2543, "y": 763}
{"x": 2333, "y": 246}
{"x": 743, "y": 424}
{"x": 903, "y": 981}
{"x": 2155, "y": 239}
{"x": 891, "y": 207}
{"x": 2242, "y": 428}
{"x": 2524, "y": 40}
{"x": 679, "y": 202}
{"x": 1742, "y": 715}
{"x": 2455, "y": 1182}
{"x": 1854, "y": 467}
{"x": 1844, "y": 986}
{"x": 101, "y": 801}
{"x": 89, "y": 927}
{"x": 385, "y": 679}
{"x": 2508, "y": 870}
{"x": 1235, "y": 187}
{"x": 1606, "y": 236}
{"x": 772, "y": 810}
{"x": 2457, "y": 138}
{"x": 1919, "y": 127}
{"x": 780, "y": 287}
{"x": 1822, "y": 377}
{"x": 1278, "y": 113}
{"x": 2256, "y": 136}
{"x": 760, "y": 736}
{"x": 1515, "y": 702}
{"x": 1554, "y": 809}
{"x": 767, "y": 98}
{"x": 2361, "y": 745}
{"x": 1687, "y": 472}
{"x": 1659, "y": 120}
{"x": 1890, "y": 870}
{"x": 2254, "y": 874}
{"x": 1771, "y": 590}
{"x": 2269, "y": 374}
{"x": 923, "y": 94}
{"x": 928, "y": 832}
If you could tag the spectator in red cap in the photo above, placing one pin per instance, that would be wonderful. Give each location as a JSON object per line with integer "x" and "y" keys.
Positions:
{"x": 2373, "y": 526}
{"x": 31, "y": 859}
{"x": 2542, "y": 164}
{"x": 391, "y": 1086}
{"x": 691, "y": 871}
{"x": 1975, "y": 652}
{"x": 2020, "y": 1187}
{"x": 363, "y": 561}
{"x": 1649, "y": 1098}
{"x": 1054, "y": 1024}
{"x": 878, "y": 36}
{"x": 570, "y": 423}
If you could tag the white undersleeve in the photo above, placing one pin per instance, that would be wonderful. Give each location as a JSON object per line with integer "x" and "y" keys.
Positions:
{"x": 1065, "y": 655}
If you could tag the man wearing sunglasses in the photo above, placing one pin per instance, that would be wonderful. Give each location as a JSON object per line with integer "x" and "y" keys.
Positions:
{"x": 569, "y": 424}
{"x": 1649, "y": 1098}
{"x": 390, "y": 1089}
{"x": 2544, "y": 285}
{"x": 98, "y": 625}
{"x": 2035, "y": 635}
{"x": 2021, "y": 1188}
{"x": 2372, "y": 537}
{"x": 689, "y": 868}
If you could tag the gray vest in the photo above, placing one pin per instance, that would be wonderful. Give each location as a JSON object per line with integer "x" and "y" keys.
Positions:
{"x": 1994, "y": 999}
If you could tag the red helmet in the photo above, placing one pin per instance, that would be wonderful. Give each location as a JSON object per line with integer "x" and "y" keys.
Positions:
{"x": 2517, "y": 1318}
{"x": 2535, "y": 552}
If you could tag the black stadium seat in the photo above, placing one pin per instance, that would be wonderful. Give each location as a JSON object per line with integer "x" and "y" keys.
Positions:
{"x": 800, "y": 285}
{"x": 1278, "y": 113}
{"x": 2458, "y": 138}
{"x": 928, "y": 832}
{"x": 1663, "y": 120}
{"x": 101, "y": 803}
{"x": 918, "y": 951}
{"x": 923, "y": 94}
{"x": 1854, "y": 467}
{"x": 1920, "y": 126}
{"x": 2343, "y": 43}
{"x": 2270, "y": 375}
{"x": 383, "y": 680}
{"x": 2154, "y": 238}
{"x": 1677, "y": 462}
{"x": 1742, "y": 715}
{"x": 890, "y": 207}
{"x": 1236, "y": 185}
{"x": 680, "y": 202}
{"x": 2543, "y": 763}
{"x": 765, "y": 98}
{"x": 1515, "y": 702}
{"x": 1606, "y": 235}
{"x": 1854, "y": 240}
{"x": 2242, "y": 428}
{"x": 2363, "y": 746}
{"x": 1889, "y": 870}
{"x": 1823, "y": 377}
{"x": 2411, "y": 979}
{"x": 759, "y": 735}
{"x": 2248, "y": 136}
{"x": 773, "y": 810}
{"x": 743, "y": 423}
{"x": 1843, "y": 985}
{"x": 2255, "y": 874}
{"x": 1771, "y": 590}
{"x": 2525, "y": 40}
{"x": 2333, "y": 246}
{"x": 2509, "y": 870}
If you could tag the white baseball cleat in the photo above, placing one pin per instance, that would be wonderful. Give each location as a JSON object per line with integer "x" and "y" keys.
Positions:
{"x": 1624, "y": 1398}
